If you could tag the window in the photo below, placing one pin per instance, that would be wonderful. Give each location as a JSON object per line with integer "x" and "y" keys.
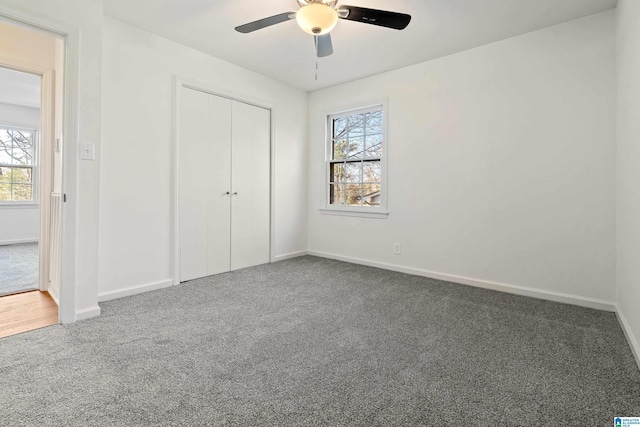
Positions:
{"x": 17, "y": 165}
{"x": 355, "y": 162}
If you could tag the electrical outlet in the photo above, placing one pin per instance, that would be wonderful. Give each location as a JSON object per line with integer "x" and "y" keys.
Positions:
{"x": 397, "y": 248}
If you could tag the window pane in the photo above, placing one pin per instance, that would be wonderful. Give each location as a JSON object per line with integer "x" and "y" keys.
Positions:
{"x": 372, "y": 171}
{"x": 353, "y": 172}
{"x": 373, "y": 146}
{"x": 374, "y": 122}
{"x": 5, "y": 191}
{"x": 371, "y": 194}
{"x": 21, "y": 192}
{"x": 22, "y": 147}
{"x": 336, "y": 194}
{"x": 355, "y": 148}
{"x": 355, "y": 125}
{"x": 22, "y": 175}
{"x": 354, "y": 194}
{"x": 5, "y": 152}
{"x": 340, "y": 128}
{"x": 336, "y": 172}
{"x": 5, "y": 175}
{"x": 340, "y": 149}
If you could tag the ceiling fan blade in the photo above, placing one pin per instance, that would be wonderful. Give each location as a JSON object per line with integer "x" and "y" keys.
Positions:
{"x": 383, "y": 18}
{"x": 265, "y": 22}
{"x": 324, "y": 47}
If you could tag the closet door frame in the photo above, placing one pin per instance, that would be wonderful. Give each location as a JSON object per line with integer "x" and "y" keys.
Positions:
{"x": 183, "y": 82}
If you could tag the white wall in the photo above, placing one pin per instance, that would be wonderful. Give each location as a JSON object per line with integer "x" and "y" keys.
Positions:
{"x": 80, "y": 267}
{"x": 136, "y": 177}
{"x": 501, "y": 166}
{"x": 19, "y": 223}
{"x": 17, "y": 115}
{"x": 628, "y": 169}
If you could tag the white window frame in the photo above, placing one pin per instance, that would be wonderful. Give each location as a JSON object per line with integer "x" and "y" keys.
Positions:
{"x": 35, "y": 178}
{"x": 357, "y": 211}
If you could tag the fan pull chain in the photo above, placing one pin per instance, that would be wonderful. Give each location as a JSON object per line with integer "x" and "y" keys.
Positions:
{"x": 316, "y": 69}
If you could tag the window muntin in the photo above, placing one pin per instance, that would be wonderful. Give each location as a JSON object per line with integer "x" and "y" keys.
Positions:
{"x": 356, "y": 141}
{"x": 17, "y": 165}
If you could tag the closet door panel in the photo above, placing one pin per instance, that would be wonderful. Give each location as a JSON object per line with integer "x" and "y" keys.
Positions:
{"x": 218, "y": 169}
{"x": 194, "y": 133}
{"x": 204, "y": 179}
{"x": 250, "y": 179}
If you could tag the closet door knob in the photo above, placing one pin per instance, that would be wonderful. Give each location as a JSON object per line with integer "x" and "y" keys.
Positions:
{"x": 227, "y": 193}
{"x": 235, "y": 193}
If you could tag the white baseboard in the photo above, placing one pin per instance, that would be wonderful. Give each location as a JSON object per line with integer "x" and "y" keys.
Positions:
{"x": 134, "y": 290}
{"x": 15, "y": 242}
{"x": 289, "y": 256}
{"x": 479, "y": 283}
{"x": 55, "y": 294}
{"x": 88, "y": 313}
{"x": 631, "y": 339}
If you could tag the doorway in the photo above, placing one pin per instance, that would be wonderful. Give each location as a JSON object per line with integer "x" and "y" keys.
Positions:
{"x": 31, "y": 68}
{"x": 20, "y": 94}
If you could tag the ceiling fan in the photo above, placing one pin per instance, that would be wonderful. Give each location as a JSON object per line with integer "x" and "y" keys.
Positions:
{"x": 319, "y": 17}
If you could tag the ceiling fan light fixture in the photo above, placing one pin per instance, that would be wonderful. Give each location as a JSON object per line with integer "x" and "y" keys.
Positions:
{"x": 317, "y": 18}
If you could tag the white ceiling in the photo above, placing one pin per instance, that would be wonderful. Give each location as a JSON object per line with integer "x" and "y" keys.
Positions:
{"x": 18, "y": 88}
{"x": 285, "y": 53}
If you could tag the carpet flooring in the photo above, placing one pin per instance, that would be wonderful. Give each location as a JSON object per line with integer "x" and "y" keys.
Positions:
{"x": 314, "y": 342}
{"x": 18, "y": 268}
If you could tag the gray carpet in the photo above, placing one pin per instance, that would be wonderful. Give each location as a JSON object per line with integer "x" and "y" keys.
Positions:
{"x": 309, "y": 342}
{"x": 18, "y": 268}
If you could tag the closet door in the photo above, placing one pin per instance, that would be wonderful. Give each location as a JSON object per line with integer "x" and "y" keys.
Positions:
{"x": 250, "y": 183}
{"x": 204, "y": 180}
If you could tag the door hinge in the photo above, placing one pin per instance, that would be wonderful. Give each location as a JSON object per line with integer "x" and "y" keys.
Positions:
{"x": 64, "y": 198}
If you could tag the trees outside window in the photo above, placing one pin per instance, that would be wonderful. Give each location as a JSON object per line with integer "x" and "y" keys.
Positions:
{"x": 355, "y": 160}
{"x": 17, "y": 165}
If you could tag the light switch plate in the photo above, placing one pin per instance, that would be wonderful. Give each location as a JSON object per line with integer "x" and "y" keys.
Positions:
{"x": 87, "y": 151}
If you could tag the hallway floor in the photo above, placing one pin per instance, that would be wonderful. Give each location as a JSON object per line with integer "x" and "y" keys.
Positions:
{"x": 26, "y": 311}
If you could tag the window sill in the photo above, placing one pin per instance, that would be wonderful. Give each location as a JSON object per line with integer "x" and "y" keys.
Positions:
{"x": 19, "y": 205}
{"x": 355, "y": 212}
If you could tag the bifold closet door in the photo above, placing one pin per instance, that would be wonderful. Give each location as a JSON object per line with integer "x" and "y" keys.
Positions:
{"x": 250, "y": 181}
{"x": 224, "y": 184}
{"x": 204, "y": 180}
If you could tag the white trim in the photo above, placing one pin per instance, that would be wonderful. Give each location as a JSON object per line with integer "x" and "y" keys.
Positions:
{"x": 17, "y": 241}
{"x": 479, "y": 283}
{"x": 626, "y": 328}
{"x": 179, "y": 83}
{"x": 19, "y": 205}
{"x": 358, "y": 211}
{"x": 53, "y": 292}
{"x": 69, "y": 164}
{"x": 289, "y": 256}
{"x": 224, "y": 93}
{"x": 87, "y": 313}
{"x": 175, "y": 184}
{"x": 45, "y": 172}
{"x": 352, "y": 212}
{"x": 134, "y": 290}
{"x": 69, "y": 181}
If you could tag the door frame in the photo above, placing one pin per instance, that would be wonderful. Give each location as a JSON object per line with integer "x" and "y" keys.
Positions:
{"x": 179, "y": 83}
{"x": 69, "y": 162}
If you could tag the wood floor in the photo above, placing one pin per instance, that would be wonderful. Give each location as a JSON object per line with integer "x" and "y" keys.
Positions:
{"x": 26, "y": 311}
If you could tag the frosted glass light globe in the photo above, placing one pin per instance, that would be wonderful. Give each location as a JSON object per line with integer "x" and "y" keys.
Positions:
{"x": 317, "y": 18}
